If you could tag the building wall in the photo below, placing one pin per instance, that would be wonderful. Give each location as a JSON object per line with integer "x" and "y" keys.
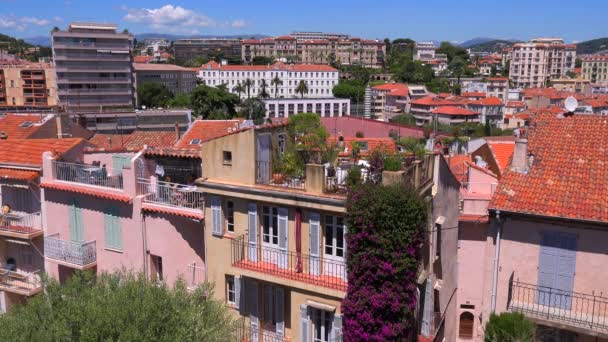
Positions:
{"x": 178, "y": 82}
{"x": 284, "y": 108}
{"x": 536, "y": 62}
{"x": 242, "y": 146}
{"x": 15, "y": 86}
{"x": 595, "y": 68}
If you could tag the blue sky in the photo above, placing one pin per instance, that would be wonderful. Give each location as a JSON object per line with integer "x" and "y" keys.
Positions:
{"x": 450, "y": 20}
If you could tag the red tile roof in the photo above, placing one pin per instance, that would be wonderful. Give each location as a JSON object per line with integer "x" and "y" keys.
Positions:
{"x": 10, "y": 124}
{"x": 29, "y": 151}
{"x": 431, "y": 100}
{"x": 450, "y": 110}
{"x": 502, "y": 151}
{"x": 20, "y": 175}
{"x": 159, "y": 67}
{"x": 393, "y": 89}
{"x": 497, "y": 79}
{"x": 276, "y": 66}
{"x": 348, "y": 126}
{"x": 142, "y": 59}
{"x": 85, "y": 190}
{"x": 134, "y": 141}
{"x": 207, "y": 130}
{"x": 516, "y": 104}
{"x": 458, "y": 166}
{"x": 488, "y": 101}
{"x": 569, "y": 174}
{"x": 473, "y": 218}
{"x": 474, "y": 94}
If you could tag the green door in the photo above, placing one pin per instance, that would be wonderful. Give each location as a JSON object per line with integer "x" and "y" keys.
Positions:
{"x": 119, "y": 162}
{"x": 76, "y": 223}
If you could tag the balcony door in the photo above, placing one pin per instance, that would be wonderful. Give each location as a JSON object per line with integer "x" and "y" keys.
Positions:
{"x": 263, "y": 158}
{"x": 556, "y": 267}
{"x": 321, "y": 325}
{"x": 76, "y": 222}
{"x": 334, "y": 247}
{"x": 274, "y": 236}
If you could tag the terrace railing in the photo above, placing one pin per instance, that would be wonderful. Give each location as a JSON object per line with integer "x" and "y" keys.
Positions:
{"x": 20, "y": 282}
{"x": 76, "y": 253}
{"x": 21, "y": 223}
{"x": 196, "y": 276}
{"x": 88, "y": 174}
{"x": 170, "y": 194}
{"x": 265, "y": 176}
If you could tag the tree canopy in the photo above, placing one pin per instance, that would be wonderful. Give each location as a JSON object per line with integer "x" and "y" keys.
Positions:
{"x": 509, "y": 327}
{"x": 117, "y": 307}
{"x": 253, "y": 109}
{"x": 212, "y": 103}
{"x": 262, "y": 60}
{"x": 153, "y": 95}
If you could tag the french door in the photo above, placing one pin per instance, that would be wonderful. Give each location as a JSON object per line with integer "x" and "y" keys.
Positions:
{"x": 334, "y": 247}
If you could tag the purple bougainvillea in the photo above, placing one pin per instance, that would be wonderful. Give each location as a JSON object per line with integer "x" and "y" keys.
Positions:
{"x": 385, "y": 232}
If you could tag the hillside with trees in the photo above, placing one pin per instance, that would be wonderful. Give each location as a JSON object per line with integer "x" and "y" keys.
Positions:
{"x": 491, "y": 46}
{"x": 592, "y": 46}
{"x": 20, "y": 48}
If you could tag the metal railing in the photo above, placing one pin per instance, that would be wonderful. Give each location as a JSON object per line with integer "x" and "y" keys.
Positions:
{"x": 21, "y": 223}
{"x": 88, "y": 174}
{"x": 20, "y": 281}
{"x": 245, "y": 332}
{"x": 265, "y": 176}
{"x": 170, "y": 194}
{"x": 316, "y": 270}
{"x": 566, "y": 307}
{"x": 479, "y": 188}
{"x": 196, "y": 276}
{"x": 77, "y": 253}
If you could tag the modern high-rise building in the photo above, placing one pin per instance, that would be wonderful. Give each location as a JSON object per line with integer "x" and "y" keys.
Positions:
{"x": 186, "y": 50}
{"x": 540, "y": 60}
{"x": 93, "y": 67}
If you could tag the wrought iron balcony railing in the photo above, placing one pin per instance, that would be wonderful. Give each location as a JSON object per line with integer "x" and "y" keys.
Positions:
{"x": 76, "y": 253}
{"x": 21, "y": 223}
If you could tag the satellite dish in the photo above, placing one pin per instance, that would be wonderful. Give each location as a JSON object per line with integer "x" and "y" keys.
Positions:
{"x": 571, "y": 104}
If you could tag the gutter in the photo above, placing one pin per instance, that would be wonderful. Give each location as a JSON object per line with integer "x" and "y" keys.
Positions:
{"x": 28, "y": 167}
{"x": 496, "y": 259}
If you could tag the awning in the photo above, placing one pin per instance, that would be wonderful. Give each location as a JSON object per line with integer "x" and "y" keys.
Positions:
{"x": 320, "y": 306}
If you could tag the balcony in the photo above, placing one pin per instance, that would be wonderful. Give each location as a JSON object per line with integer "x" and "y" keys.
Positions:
{"x": 245, "y": 332}
{"x": 24, "y": 226}
{"x": 170, "y": 194}
{"x": 301, "y": 267}
{"x": 196, "y": 276}
{"x": 585, "y": 312}
{"x": 80, "y": 255}
{"x": 22, "y": 283}
{"x": 88, "y": 174}
{"x": 265, "y": 176}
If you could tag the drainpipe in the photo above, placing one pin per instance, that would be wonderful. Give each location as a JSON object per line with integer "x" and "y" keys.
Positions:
{"x": 496, "y": 257}
{"x": 144, "y": 236}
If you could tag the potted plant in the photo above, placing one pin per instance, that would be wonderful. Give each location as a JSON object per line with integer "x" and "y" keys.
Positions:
{"x": 331, "y": 157}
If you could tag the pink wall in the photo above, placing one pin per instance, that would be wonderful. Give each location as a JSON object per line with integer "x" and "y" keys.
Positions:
{"x": 104, "y": 157}
{"x": 178, "y": 240}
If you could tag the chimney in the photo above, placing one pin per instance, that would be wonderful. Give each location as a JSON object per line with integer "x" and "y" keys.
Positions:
{"x": 176, "y": 132}
{"x": 520, "y": 156}
{"x": 64, "y": 129}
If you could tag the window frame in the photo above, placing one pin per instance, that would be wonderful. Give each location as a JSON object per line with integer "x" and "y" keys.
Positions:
{"x": 230, "y": 283}
{"x": 229, "y": 216}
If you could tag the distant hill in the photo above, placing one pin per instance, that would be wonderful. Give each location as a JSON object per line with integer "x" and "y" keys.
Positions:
{"x": 592, "y": 46}
{"x": 19, "y": 47}
{"x": 475, "y": 41}
{"x": 492, "y": 45}
{"x": 39, "y": 40}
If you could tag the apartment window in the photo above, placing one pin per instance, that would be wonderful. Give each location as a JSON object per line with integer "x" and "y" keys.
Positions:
{"x": 230, "y": 290}
{"x": 270, "y": 225}
{"x": 334, "y": 236}
{"x": 227, "y": 157}
{"x": 230, "y": 216}
{"x": 321, "y": 325}
{"x": 113, "y": 231}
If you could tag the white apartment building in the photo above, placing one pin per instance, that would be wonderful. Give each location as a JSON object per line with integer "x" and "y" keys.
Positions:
{"x": 595, "y": 68}
{"x": 540, "y": 60}
{"x": 424, "y": 51}
{"x": 320, "y": 79}
{"x": 326, "y": 107}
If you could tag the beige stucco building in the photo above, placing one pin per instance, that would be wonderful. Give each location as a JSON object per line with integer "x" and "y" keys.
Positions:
{"x": 540, "y": 60}
{"x": 27, "y": 86}
{"x": 595, "y": 68}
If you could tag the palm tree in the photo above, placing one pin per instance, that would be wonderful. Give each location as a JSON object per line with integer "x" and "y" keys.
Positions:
{"x": 248, "y": 84}
{"x": 238, "y": 88}
{"x": 276, "y": 82}
{"x": 302, "y": 88}
{"x": 263, "y": 92}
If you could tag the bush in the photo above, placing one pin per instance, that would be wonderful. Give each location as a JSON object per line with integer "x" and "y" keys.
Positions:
{"x": 393, "y": 163}
{"x": 353, "y": 176}
{"x": 385, "y": 233}
{"x": 509, "y": 327}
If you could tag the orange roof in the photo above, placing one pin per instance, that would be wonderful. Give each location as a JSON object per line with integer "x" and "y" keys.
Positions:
{"x": 502, "y": 151}
{"x": 15, "y": 174}
{"x": 488, "y": 101}
{"x": 393, "y": 89}
{"x": 212, "y": 65}
{"x": 497, "y": 79}
{"x": 596, "y": 103}
{"x": 458, "y": 166}
{"x": 450, "y": 110}
{"x": 473, "y": 218}
{"x": 134, "y": 141}
{"x": 11, "y": 124}
{"x": 206, "y": 130}
{"x": 474, "y": 94}
{"x": 85, "y": 190}
{"x": 516, "y": 104}
{"x": 142, "y": 59}
{"x": 197, "y": 215}
{"x": 29, "y": 151}
{"x": 569, "y": 174}
{"x": 431, "y": 100}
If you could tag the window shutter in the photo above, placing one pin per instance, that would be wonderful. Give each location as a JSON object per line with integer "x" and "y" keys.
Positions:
{"x": 283, "y": 236}
{"x": 253, "y": 310}
{"x": 113, "y": 233}
{"x": 216, "y": 216}
{"x": 237, "y": 291}
{"x": 336, "y": 328}
{"x": 279, "y": 311}
{"x": 304, "y": 324}
{"x": 76, "y": 225}
{"x": 252, "y": 229}
{"x": 108, "y": 227}
{"x": 313, "y": 241}
{"x": 117, "y": 230}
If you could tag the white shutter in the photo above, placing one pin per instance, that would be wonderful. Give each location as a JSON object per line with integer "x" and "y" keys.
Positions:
{"x": 253, "y": 310}
{"x": 279, "y": 311}
{"x": 216, "y": 216}
{"x": 336, "y": 329}
{"x": 313, "y": 243}
{"x": 304, "y": 324}
{"x": 283, "y": 219}
{"x": 237, "y": 291}
{"x": 252, "y": 230}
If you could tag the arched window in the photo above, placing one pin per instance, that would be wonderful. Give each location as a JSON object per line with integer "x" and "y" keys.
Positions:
{"x": 467, "y": 321}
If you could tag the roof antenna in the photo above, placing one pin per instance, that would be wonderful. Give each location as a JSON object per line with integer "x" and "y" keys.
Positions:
{"x": 571, "y": 104}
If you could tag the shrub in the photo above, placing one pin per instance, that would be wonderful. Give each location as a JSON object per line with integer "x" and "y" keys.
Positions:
{"x": 393, "y": 163}
{"x": 385, "y": 233}
{"x": 509, "y": 326}
{"x": 353, "y": 176}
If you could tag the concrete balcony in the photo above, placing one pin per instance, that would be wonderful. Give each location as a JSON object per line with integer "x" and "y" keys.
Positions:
{"x": 79, "y": 255}
{"x": 171, "y": 196}
{"x": 22, "y": 283}
{"x": 21, "y": 225}
{"x": 585, "y": 313}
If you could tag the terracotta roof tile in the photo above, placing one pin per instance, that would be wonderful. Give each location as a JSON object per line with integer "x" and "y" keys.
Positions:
{"x": 450, "y": 110}
{"x": 516, "y": 104}
{"x": 488, "y": 101}
{"x": 11, "y": 124}
{"x": 159, "y": 67}
{"x": 502, "y": 151}
{"x": 29, "y": 151}
{"x": 20, "y": 175}
{"x": 474, "y": 94}
{"x": 384, "y": 144}
{"x": 276, "y": 66}
{"x": 569, "y": 174}
{"x": 458, "y": 166}
{"x": 473, "y": 218}
{"x": 393, "y": 89}
{"x": 205, "y": 130}
{"x": 86, "y": 190}
{"x": 348, "y": 126}
{"x": 134, "y": 141}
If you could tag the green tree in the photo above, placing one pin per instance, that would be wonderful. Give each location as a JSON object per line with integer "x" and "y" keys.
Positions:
{"x": 117, "y": 307}
{"x": 248, "y": 83}
{"x": 457, "y": 67}
{"x": 578, "y": 63}
{"x": 276, "y": 82}
{"x": 509, "y": 327}
{"x": 212, "y": 103}
{"x": 308, "y": 135}
{"x": 262, "y": 60}
{"x": 153, "y": 95}
{"x": 302, "y": 88}
{"x": 179, "y": 101}
{"x": 349, "y": 90}
{"x": 263, "y": 92}
{"x": 453, "y": 51}
{"x": 239, "y": 89}
{"x": 253, "y": 109}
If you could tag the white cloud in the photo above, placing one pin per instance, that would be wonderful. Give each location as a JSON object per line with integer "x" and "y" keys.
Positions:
{"x": 21, "y": 23}
{"x": 169, "y": 17}
{"x": 238, "y": 23}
